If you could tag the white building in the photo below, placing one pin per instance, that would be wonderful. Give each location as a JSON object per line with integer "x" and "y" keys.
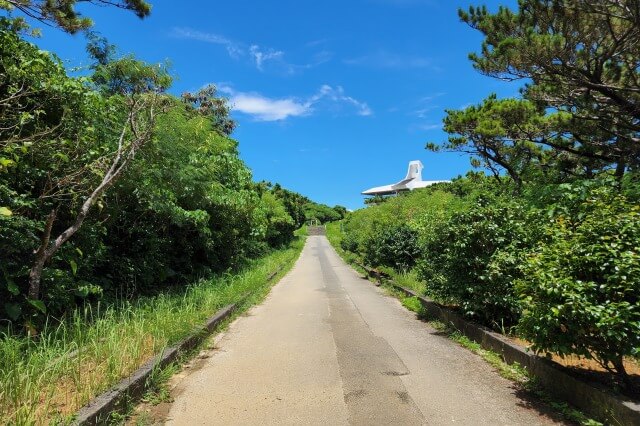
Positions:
{"x": 412, "y": 181}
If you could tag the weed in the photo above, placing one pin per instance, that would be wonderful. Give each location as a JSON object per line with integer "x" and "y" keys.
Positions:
{"x": 413, "y": 304}
{"x": 157, "y": 390}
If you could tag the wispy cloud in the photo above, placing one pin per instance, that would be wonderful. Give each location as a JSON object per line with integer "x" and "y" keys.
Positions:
{"x": 428, "y": 112}
{"x": 337, "y": 95}
{"x": 429, "y": 126}
{"x": 260, "y": 57}
{"x": 234, "y": 49}
{"x": 426, "y": 104}
{"x": 386, "y": 59}
{"x": 263, "y": 108}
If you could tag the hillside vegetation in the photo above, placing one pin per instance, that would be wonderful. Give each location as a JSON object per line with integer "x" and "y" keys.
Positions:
{"x": 548, "y": 245}
{"x": 111, "y": 188}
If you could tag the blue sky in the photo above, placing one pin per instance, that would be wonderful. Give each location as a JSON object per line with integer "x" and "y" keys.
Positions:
{"x": 331, "y": 97}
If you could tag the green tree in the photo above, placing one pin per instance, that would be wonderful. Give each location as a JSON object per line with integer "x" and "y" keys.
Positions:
{"x": 205, "y": 102}
{"x": 580, "y": 57}
{"x": 34, "y": 93}
{"x": 48, "y": 122}
{"x": 293, "y": 202}
{"x": 63, "y": 13}
{"x": 499, "y": 134}
{"x": 138, "y": 87}
{"x": 519, "y": 137}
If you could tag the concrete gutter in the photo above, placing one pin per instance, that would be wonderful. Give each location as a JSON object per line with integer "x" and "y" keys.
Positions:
{"x": 556, "y": 380}
{"x": 130, "y": 389}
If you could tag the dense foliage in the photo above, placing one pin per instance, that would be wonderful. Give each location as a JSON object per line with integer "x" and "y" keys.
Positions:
{"x": 63, "y": 13}
{"x": 549, "y": 244}
{"x": 581, "y": 289}
{"x": 143, "y": 190}
{"x": 580, "y": 111}
{"x": 303, "y": 210}
{"x": 559, "y": 262}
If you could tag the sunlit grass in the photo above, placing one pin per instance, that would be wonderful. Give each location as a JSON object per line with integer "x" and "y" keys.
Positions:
{"x": 46, "y": 380}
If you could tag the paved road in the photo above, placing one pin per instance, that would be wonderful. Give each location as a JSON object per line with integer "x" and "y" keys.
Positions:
{"x": 328, "y": 348}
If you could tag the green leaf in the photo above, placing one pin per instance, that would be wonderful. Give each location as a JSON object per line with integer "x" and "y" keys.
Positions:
{"x": 4, "y": 211}
{"x": 13, "y": 310}
{"x": 12, "y": 287}
{"x": 5, "y": 162}
{"x": 39, "y": 305}
{"x": 74, "y": 266}
{"x": 82, "y": 292}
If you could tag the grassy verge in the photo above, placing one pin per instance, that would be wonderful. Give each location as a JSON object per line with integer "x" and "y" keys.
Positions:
{"x": 46, "y": 380}
{"x": 513, "y": 372}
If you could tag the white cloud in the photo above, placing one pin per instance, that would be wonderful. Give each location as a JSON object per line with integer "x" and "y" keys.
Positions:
{"x": 385, "y": 59}
{"x": 260, "y": 56}
{"x": 257, "y": 55}
{"x": 263, "y": 108}
{"x": 426, "y": 105}
{"x": 234, "y": 49}
{"x": 338, "y": 95}
{"x": 429, "y": 126}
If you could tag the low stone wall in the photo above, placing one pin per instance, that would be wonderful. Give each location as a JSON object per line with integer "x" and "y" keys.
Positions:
{"x": 556, "y": 380}
{"x": 130, "y": 389}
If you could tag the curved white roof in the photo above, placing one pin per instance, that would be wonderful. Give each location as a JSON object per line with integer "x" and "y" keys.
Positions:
{"x": 412, "y": 181}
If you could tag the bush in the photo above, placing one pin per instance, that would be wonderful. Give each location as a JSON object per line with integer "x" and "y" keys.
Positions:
{"x": 396, "y": 246}
{"x": 581, "y": 290}
{"x": 349, "y": 243}
{"x": 472, "y": 259}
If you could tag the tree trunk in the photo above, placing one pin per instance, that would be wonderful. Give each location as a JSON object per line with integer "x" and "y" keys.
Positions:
{"x": 622, "y": 374}
{"x": 35, "y": 274}
{"x": 621, "y": 167}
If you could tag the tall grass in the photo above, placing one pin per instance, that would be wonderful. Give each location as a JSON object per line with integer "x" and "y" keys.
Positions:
{"x": 47, "y": 379}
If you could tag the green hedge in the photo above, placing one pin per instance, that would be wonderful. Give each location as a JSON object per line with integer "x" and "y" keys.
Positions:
{"x": 557, "y": 263}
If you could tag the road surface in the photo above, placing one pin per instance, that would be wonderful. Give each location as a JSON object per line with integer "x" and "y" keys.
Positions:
{"x": 328, "y": 348}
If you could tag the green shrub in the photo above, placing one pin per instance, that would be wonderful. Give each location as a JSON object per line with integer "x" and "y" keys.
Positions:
{"x": 396, "y": 246}
{"x": 419, "y": 209}
{"x": 581, "y": 289}
{"x": 472, "y": 259}
{"x": 349, "y": 243}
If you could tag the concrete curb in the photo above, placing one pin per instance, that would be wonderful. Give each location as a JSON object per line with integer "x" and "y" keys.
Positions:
{"x": 131, "y": 388}
{"x": 596, "y": 402}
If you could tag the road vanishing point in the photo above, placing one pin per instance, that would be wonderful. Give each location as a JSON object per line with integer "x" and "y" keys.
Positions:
{"x": 328, "y": 348}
